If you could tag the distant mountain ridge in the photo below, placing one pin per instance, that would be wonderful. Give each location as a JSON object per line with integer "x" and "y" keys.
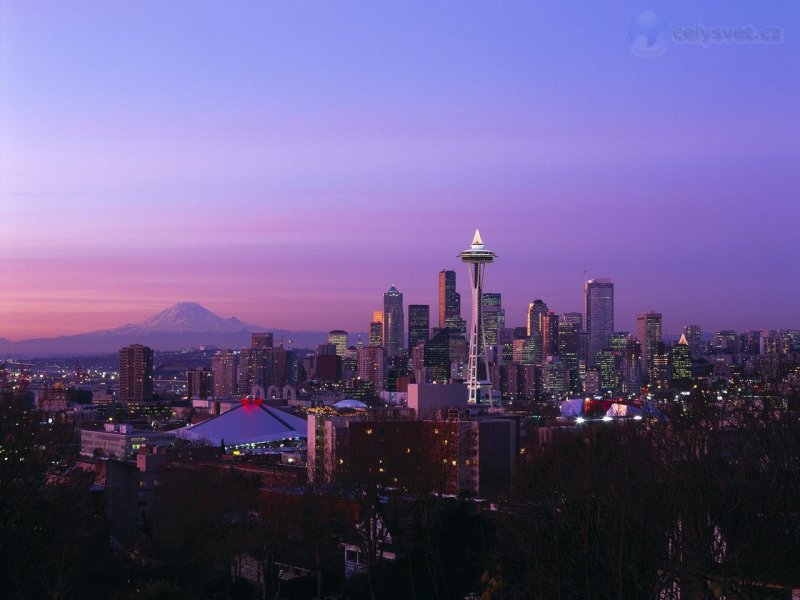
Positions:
{"x": 183, "y": 325}
{"x": 184, "y": 317}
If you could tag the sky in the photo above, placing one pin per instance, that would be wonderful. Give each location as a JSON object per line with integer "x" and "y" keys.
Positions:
{"x": 286, "y": 162}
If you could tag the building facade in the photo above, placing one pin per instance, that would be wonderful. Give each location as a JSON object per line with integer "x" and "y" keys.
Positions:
{"x": 135, "y": 374}
{"x": 393, "y": 327}
{"x": 598, "y": 301}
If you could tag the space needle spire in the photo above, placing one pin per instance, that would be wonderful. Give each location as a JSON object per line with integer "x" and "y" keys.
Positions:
{"x": 477, "y": 256}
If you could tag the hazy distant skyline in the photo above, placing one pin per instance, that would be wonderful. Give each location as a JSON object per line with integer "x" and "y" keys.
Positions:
{"x": 287, "y": 162}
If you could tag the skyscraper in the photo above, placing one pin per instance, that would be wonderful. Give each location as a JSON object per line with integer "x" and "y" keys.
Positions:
{"x": 419, "y": 316}
{"x": 376, "y": 329}
{"x": 536, "y": 310}
{"x": 375, "y": 333}
{"x": 199, "y": 383}
{"x": 694, "y": 338}
{"x": 549, "y": 335}
{"x": 448, "y": 305}
{"x": 598, "y": 302}
{"x": 437, "y": 355}
{"x": 135, "y": 374}
{"x": 568, "y": 348}
{"x": 259, "y": 341}
{"x": 648, "y": 332}
{"x": 224, "y": 365}
{"x": 493, "y": 317}
{"x": 372, "y": 367}
{"x": 476, "y": 257}
{"x": 252, "y": 370}
{"x": 393, "y": 328}
{"x": 338, "y": 338}
{"x": 632, "y": 366}
{"x": 681, "y": 359}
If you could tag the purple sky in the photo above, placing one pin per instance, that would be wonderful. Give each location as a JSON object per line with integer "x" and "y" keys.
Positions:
{"x": 285, "y": 162}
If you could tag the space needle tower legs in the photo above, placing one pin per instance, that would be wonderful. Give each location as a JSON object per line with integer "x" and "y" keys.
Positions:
{"x": 477, "y": 256}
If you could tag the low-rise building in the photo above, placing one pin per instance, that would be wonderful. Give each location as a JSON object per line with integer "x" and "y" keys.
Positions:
{"x": 122, "y": 441}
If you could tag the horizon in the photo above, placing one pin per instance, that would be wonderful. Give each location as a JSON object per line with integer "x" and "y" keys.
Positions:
{"x": 256, "y": 327}
{"x": 286, "y": 164}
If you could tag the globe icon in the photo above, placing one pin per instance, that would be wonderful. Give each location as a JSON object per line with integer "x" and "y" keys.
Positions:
{"x": 648, "y": 34}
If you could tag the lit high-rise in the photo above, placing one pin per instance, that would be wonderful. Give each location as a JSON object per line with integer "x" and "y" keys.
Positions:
{"x": 598, "y": 302}
{"x": 376, "y": 329}
{"x": 372, "y": 366}
{"x": 648, "y": 332}
{"x": 135, "y": 374}
{"x": 448, "y": 298}
{"x": 393, "y": 328}
{"x": 224, "y": 366}
{"x": 493, "y": 317}
{"x": 681, "y": 363}
{"x": 338, "y": 338}
{"x": 419, "y": 316}
{"x": 536, "y": 311}
{"x": 694, "y": 338}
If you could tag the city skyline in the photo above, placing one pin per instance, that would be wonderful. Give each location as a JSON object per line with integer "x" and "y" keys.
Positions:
{"x": 629, "y": 322}
{"x": 215, "y": 156}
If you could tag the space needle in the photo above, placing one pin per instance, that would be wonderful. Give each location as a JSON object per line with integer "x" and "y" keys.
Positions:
{"x": 477, "y": 256}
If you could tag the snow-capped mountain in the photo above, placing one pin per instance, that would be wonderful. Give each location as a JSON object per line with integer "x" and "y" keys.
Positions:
{"x": 187, "y": 317}
{"x": 184, "y": 325}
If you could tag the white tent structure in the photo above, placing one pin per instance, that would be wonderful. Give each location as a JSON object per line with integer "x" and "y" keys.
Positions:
{"x": 572, "y": 407}
{"x": 251, "y": 422}
{"x": 624, "y": 410}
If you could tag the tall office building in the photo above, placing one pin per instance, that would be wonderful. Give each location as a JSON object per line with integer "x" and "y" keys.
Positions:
{"x": 576, "y": 318}
{"x": 376, "y": 329}
{"x": 419, "y": 317}
{"x": 372, "y": 366}
{"x": 338, "y": 338}
{"x": 393, "y": 328}
{"x": 693, "y": 336}
{"x": 549, "y": 335}
{"x": 448, "y": 298}
{"x": 493, "y": 316}
{"x": 568, "y": 350}
{"x": 259, "y": 341}
{"x": 632, "y": 366}
{"x": 727, "y": 342}
{"x": 659, "y": 367}
{"x": 252, "y": 370}
{"x": 276, "y": 362}
{"x": 681, "y": 359}
{"x": 450, "y": 304}
{"x": 436, "y": 357}
{"x": 608, "y": 367}
{"x": 536, "y": 310}
{"x": 224, "y": 365}
{"x": 476, "y": 257}
{"x": 375, "y": 334}
{"x": 598, "y": 302}
{"x": 199, "y": 383}
{"x": 648, "y": 332}
{"x": 135, "y": 374}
